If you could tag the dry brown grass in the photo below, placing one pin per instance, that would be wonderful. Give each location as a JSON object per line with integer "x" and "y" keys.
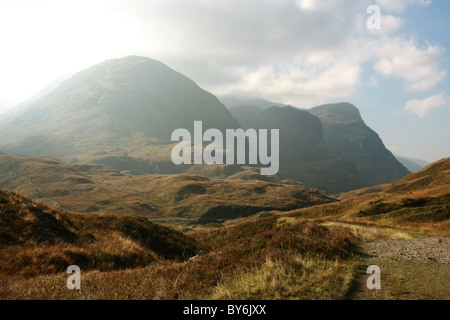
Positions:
{"x": 313, "y": 260}
{"x": 38, "y": 240}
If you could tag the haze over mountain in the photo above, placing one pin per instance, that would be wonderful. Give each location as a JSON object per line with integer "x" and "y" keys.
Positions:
{"x": 121, "y": 113}
{"x": 413, "y": 165}
{"x": 133, "y": 102}
{"x": 410, "y": 165}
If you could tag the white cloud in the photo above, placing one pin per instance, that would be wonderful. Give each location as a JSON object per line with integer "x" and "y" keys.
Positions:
{"x": 422, "y": 107}
{"x": 295, "y": 83}
{"x": 303, "y": 51}
{"x": 400, "y": 5}
{"x": 390, "y": 23}
{"x": 404, "y": 59}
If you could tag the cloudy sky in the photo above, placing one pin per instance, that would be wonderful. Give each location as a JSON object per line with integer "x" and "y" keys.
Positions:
{"x": 299, "y": 52}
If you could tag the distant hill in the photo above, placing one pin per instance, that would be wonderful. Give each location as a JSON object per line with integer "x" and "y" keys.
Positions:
{"x": 413, "y": 165}
{"x": 304, "y": 155}
{"x": 96, "y": 188}
{"x": 36, "y": 239}
{"x": 345, "y": 130}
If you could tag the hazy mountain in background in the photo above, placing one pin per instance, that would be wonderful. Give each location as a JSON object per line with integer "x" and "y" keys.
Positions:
{"x": 412, "y": 164}
{"x": 304, "y": 155}
{"x": 345, "y": 130}
{"x": 111, "y": 109}
{"x": 247, "y": 115}
{"x": 121, "y": 113}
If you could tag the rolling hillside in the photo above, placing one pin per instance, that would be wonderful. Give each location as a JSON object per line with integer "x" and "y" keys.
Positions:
{"x": 96, "y": 188}
{"x": 420, "y": 200}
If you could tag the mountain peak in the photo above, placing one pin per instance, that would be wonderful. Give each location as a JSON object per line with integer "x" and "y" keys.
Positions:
{"x": 343, "y": 112}
{"x": 108, "y": 105}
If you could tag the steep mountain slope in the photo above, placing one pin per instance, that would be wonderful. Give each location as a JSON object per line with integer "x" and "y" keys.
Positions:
{"x": 109, "y": 110}
{"x": 96, "y": 188}
{"x": 36, "y": 239}
{"x": 247, "y": 115}
{"x": 304, "y": 155}
{"x": 345, "y": 130}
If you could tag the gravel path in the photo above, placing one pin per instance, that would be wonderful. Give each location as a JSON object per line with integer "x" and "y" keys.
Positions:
{"x": 433, "y": 249}
{"x": 415, "y": 269}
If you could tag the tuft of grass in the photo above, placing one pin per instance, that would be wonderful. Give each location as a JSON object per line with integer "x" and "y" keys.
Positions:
{"x": 294, "y": 277}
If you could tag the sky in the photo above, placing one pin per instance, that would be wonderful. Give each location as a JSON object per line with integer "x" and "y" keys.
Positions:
{"x": 299, "y": 52}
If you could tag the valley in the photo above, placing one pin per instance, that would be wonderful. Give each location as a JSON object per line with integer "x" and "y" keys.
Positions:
{"x": 87, "y": 178}
{"x": 319, "y": 252}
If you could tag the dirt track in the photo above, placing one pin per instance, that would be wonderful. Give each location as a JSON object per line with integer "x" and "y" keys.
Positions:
{"x": 410, "y": 269}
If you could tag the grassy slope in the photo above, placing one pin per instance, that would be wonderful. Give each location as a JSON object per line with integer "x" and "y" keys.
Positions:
{"x": 38, "y": 240}
{"x": 420, "y": 201}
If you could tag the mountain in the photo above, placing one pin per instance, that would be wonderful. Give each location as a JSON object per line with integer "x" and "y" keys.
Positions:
{"x": 413, "y": 165}
{"x": 345, "y": 130}
{"x": 247, "y": 115}
{"x": 304, "y": 155}
{"x": 121, "y": 113}
{"x": 36, "y": 239}
{"x": 125, "y": 107}
{"x": 91, "y": 188}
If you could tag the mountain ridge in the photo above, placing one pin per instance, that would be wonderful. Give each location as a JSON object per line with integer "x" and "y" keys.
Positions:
{"x": 346, "y": 131}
